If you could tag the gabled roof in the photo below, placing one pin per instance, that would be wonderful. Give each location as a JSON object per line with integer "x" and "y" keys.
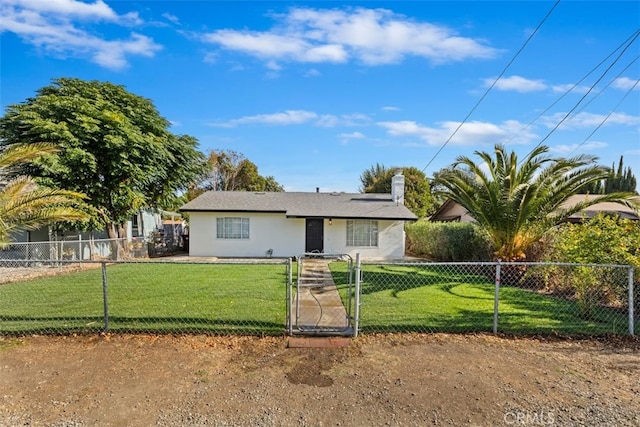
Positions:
{"x": 303, "y": 205}
{"x": 452, "y": 211}
{"x": 608, "y": 207}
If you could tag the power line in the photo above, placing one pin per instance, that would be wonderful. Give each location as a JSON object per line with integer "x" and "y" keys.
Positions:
{"x": 568, "y": 91}
{"x": 588, "y": 92}
{"x": 608, "y": 115}
{"x": 492, "y": 85}
{"x": 609, "y": 84}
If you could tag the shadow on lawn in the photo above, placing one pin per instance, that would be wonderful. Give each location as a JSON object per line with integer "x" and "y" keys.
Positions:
{"x": 158, "y": 325}
{"x": 379, "y": 278}
{"x": 520, "y": 310}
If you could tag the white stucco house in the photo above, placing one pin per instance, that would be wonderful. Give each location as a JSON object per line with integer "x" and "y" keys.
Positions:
{"x": 288, "y": 224}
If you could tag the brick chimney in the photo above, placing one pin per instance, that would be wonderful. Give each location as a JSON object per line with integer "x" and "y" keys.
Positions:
{"x": 397, "y": 187}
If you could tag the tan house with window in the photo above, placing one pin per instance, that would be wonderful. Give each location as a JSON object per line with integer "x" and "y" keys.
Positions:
{"x": 287, "y": 224}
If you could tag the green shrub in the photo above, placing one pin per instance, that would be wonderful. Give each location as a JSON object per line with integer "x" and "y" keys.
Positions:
{"x": 448, "y": 241}
{"x": 604, "y": 239}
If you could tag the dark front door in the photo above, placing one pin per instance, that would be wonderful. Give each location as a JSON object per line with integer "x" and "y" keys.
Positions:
{"x": 315, "y": 235}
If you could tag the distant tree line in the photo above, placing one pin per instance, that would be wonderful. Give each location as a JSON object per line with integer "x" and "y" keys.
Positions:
{"x": 228, "y": 170}
{"x": 618, "y": 180}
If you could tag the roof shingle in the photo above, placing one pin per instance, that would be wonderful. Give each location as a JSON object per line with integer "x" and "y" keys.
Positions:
{"x": 303, "y": 205}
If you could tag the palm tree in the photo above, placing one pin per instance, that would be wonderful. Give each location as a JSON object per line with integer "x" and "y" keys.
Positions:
{"x": 516, "y": 202}
{"x": 25, "y": 205}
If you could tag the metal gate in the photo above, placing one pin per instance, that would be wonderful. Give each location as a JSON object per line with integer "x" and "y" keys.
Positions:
{"x": 316, "y": 305}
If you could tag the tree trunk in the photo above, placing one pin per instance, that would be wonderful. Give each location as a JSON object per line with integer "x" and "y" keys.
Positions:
{"x": 113, "y": 232}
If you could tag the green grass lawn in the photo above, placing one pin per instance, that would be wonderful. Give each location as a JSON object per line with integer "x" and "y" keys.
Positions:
{"x": 153, "y": 297}
{"x": 251, "y": 299}
{"x": 439, "y": 299}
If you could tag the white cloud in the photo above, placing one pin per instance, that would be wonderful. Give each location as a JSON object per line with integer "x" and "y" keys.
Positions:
{"x": 590, "y": 120}
{"x": 276, "y": 47}
{"x": 470, "y": 134}
{"x": 570, "y": 87}
{"x": 328, "y": 121}
{"x": 170, "y": 17}
{"x": 312, "y": 73}
{"x": 369, "y": 36}
{"x": 517, "y": 84}
{"x": 352, "y": 135}
{"x": 95, "y": 11}
{"x": 297, "y": 117}
{"x": 289, "y": 117}
{"x": 346, "y": 137}
{"x": 273, "y": 66}
{"x": 569, "y": 149}
{"x": 390, "y": 108}
{"x": 210, "y": 57}
{"x": 50, "y": 26}
{"x": 626, "y": 83}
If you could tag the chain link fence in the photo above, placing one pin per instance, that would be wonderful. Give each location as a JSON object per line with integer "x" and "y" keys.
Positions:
{"x": 145, "y": 297}
{"x": 513, "y": 298}
{"x": 250, "y": 297}
{"x": 75, "y": 250}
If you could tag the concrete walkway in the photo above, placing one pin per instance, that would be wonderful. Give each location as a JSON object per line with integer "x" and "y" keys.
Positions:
{"x": 318, "y": 308}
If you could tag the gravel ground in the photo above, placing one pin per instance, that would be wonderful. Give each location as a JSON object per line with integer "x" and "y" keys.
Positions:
{"x": 394, "y": 380}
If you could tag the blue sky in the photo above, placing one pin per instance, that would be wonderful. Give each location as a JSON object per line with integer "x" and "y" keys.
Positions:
{"x": 316, "y": 92}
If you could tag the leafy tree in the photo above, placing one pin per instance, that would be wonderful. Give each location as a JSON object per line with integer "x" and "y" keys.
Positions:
{"x": 369, "y": 177}
{"x": 516, "y": 202}
{"x": 113, "y": 146}
{"x": 438, "y": 191}
{"x": 417, "y": 196}
{"x": 231, "y": 171}
{"x": 617, "y": 180}
{"x": 25, "y": 205}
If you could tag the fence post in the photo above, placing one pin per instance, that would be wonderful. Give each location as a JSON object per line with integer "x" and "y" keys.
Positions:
{"x": 356, "y": 298}
{"x": 104, "y": 297}
{"x": 631, "y": 302}
{"x": 496, "y": 299}
{"x": 289, "y": 285}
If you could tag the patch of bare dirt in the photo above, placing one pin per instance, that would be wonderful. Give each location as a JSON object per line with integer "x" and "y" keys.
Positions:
{"x": 397, "y": 380}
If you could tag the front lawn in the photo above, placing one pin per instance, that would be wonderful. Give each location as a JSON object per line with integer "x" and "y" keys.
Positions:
{"x": 450, "y": 298}
{"x": 153, "y": 297}
{"x": 251, "y": 299}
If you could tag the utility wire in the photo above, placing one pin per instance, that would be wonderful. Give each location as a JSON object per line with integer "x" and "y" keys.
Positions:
{"x": 609, "y": 84}
{"x": 608, "y": 115}
{"x": 492, "y": 85}
{"x": 566, "y": 116}
{"x": 568, "y": 91}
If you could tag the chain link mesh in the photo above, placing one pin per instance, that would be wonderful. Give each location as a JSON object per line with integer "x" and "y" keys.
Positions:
{"x": 66, "y": 297}
{"x": 69, "y": 249}
{"x": 531, "y": 298}
{"x": 250, "y": 297}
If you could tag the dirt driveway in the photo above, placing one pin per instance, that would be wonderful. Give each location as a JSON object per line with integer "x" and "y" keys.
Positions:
{"x": 397, "y": 380}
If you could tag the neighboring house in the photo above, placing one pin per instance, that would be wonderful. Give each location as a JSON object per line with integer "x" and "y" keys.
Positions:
{"x": 452, "y": 211}
{"x": 146, "y": 222}
{"x": 141, "y": 225}
{"x": 283, "y": 224}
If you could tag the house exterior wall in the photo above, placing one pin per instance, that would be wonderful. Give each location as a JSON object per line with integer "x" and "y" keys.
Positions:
{"x": 286, "y": 237}
{"x": 148, "y": 222}
{"x": 390, "y": 240}
{"x": 266, "y": 231}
